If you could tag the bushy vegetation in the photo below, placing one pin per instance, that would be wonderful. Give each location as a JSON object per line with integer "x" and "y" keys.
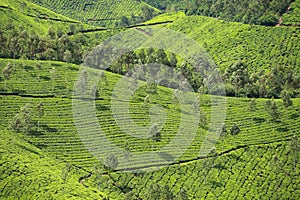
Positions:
{"x": 42, "y": 155}
{"x": 103, "y": 13}
{"x": 292, "y": 16}
{"x": 57, "y": 136}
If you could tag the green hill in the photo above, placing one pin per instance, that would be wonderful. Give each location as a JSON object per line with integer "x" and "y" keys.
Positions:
{"x": 250, "y": 12}
{"x": 104, "y": 13}
{"x": 29, "y": 173}
{"x": 234, "y": 47}
{"x": 252, "y": 150}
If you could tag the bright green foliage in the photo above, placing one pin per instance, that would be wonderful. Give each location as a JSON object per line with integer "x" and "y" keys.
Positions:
{"x": 292, "y": 16}
{"x": 58, "y": 137}
{"x": 99, "y": 12}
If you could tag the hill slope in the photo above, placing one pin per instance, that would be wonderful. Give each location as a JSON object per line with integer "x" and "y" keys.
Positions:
{"x": 100, "y": 12}
{"x": 252, "y": 150}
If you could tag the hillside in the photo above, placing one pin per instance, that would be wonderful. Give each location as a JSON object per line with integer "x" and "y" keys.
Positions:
{"x": 27, "y": 172}
{"x": 251, "y": 12}
{"x": 263, "y": 51}
{"x": 144, "y": 115}
{"x": 102, "y": 12}
{"x": 52, "y": 85}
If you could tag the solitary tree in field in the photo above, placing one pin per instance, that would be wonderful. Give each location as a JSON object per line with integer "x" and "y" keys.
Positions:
{"x": 223, "y": 134}
{"x": 286, "y": 99}
{"x": 112, "y": 161}
{"x": 234, "y": 129}
{"x": 65, "y": 172}
{"x": 22, "y": 121}
{"x": 203, "y": 119}
{"x": 252, "y": 105}
{"x": 6, "y": 72}
{"x": 196, "y": 104}
{"x": 53, "y": 77}
{"x": 154, "y": 133}
{"x": 40, "y": 112}
{"x": 103, "y": 80}
{"x": 147, "y": 100}
{"x": 82, "y": 83}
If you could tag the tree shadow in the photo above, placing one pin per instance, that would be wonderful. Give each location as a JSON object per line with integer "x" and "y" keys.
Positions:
{"x": 45, "y": 78}
{"x": 47, "y": 128}
{"x": 27, "y": 67}
{"x": 258, "y": 120}
{"x": 294, "y": 116}
{"x": 167, "y": 157}
{"x": 282, "y": 129}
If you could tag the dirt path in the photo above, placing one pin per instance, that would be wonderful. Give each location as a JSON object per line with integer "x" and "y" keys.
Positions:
{"x": 287, "y": 10}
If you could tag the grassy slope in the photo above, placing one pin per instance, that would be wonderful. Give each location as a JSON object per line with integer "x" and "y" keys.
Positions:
{"x": 292, "y": 17}
{"x": 227, "y": 42}
{"x": 26, "y": 172}
{"x": 58, "y": 137}
{"x": 99, "y": 10}
{"x": 34, "y": 17}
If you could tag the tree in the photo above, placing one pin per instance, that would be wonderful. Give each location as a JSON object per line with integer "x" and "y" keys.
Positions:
{"x": 223, "y": 133}
{"x": 286, "y": 99}
{"x": 234, "y": 129}
{"x": 112, "y": 162}
{"x": 65, "y": 172}
{"x": 203, "y": 119}
{"x": 22, "y": 121}
{"x": 167, "y": 194}
{"x": 6, "y": 72}
{"x": 182, "y": 195}
{"x": 196, "y": 104}
{"x": 103, "y": 80}
{"x": 154, "y": 133}
{"x": 98, "y": 171}
{"x": 67, "y": 56}
{"x": 274, "y": 111}
{"x": 53, "y": 76}
{"x": 252, "y": 105}
{"x": 82, "y": 83}
{"x": 124, "y": 21}
{"x": 294, "y": 145}
{"x": 153, "y": 192}
{"x": 147, "y": 100}
{"x": 40, "y": 112}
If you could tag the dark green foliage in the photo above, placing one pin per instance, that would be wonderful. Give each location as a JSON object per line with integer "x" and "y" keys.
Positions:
{"x": 272, "y": 110}
{"x": 22, "y": 121}
{"x": 234, "y": 129}
{"x": 286, "y": 98}
{"x": 154, "y": 133}
{"x": 111, "y": 162}
{"x": 252, "y": 105}
{"x": 65, "y": 172}
{"x": 264, "y": 12}
{"x": 182, "y": 195}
